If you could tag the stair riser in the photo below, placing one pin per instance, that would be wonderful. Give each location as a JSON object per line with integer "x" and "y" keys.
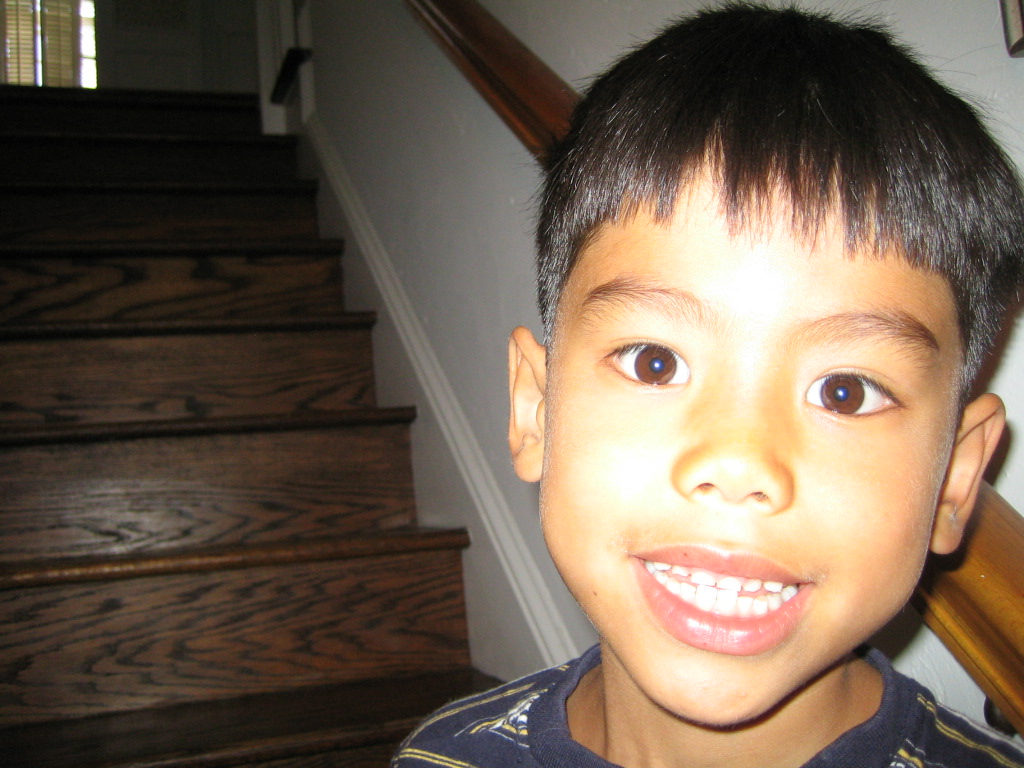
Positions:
{"x": 119, "y": 216}
{"x": 377, "y": 756}
{"x": 67, "y": 289}
{"x": 336, "y": 722}
{"x": 93, "y": 648}
{"x": 160, "y": 494}
{"x": 153, "y": 378}
{"x": 96, "y": 112}
{"x": 62, "y": 159}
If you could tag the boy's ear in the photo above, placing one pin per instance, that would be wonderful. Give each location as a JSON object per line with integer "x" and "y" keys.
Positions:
{"x": 527, "y": 361}
{"x": 980, "y": 429}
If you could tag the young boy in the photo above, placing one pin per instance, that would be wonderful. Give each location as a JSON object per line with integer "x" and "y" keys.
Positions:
{"x": 773, "y": 255}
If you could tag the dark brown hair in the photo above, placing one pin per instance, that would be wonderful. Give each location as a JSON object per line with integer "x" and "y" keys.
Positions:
{"x": 832, "y": 117}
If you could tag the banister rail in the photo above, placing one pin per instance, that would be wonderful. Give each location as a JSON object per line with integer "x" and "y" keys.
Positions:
{"x": 973, "y": 601}
{"x": 532, "y": 100}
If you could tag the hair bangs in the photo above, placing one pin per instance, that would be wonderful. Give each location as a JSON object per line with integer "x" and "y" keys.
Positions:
{"x": 795, "y": 118}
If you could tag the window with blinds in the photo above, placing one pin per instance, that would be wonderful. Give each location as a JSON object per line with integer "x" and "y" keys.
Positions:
{"x": 49, "y": 42}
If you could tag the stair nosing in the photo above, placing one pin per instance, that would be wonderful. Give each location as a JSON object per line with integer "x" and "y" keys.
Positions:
{"x": 392, "y": 541}
{"x": 157, "y": 248}
{"x": 52, "y": 434}
{"x": 214, "y": 326}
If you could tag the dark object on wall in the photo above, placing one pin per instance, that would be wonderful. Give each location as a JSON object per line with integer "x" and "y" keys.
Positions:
{"x": 294, "y": 59}
{"x": 1013, "y": 24}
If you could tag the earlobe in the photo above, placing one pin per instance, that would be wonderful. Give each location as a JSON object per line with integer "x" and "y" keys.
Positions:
{"x": 977, "y": 439}
{"x": 527, "y": 360}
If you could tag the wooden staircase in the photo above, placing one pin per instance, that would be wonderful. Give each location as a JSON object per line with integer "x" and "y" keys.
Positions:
{"x": 208, "y": 543}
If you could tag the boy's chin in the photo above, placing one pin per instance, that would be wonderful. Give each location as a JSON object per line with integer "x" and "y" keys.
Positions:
{"x": 731, "y": 716}
{"x": 735, "y": 715}
{"x": 744, "y": 704}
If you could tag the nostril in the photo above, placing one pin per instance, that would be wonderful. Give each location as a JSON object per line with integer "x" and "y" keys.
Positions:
{"x": 760, "y": 496}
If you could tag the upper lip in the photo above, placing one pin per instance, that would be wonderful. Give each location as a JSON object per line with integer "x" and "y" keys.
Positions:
{"x": 743, "y": 564}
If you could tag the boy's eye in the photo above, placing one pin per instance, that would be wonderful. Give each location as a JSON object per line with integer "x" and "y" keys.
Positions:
{"x": 847, "y": 394}
{"x": 653, "y": 364}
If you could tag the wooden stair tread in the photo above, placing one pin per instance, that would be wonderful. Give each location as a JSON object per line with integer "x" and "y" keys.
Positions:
{"x": 96, "y": 647}
{"x": 58, "y": 283}
{"x": 157, "y": 248}
{"x": 218, "y": 566}
{"x": 117, "y": 111}
{"x": 259, "y": 727}
{"x": 286, "y": 186}
{"x": 68, "y": 433}
{"x": 135, "y": 328}
{"x": 126, "y": 372}
{"x": 364, "y": 544}
{"x": 140, "y": 158}
{"x": 133, "y": 212}
{"x": 158, "y": 493}
{"x": 128, "y": 96}
{"x": 151, "y": 138}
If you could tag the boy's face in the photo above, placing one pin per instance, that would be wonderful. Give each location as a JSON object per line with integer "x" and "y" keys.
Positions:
{"x": 743, "y": 444}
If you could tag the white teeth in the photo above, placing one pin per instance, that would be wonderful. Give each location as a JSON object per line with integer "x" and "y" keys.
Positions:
{"x": 706, "y": 597}
{"x": 703, "y": 578}
{"x": 730, "y": 583}
{"x": 725, "y": 602}
{"x": 744, "y": 606}
{"x": 711, "y": 592}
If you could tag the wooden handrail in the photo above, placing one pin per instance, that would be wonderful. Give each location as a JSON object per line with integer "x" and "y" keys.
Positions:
{"x": 532, "y": 100}
{"x": 973, "y": 601}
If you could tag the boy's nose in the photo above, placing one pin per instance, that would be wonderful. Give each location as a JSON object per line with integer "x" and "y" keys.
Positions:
{"x": 734, "y": 463}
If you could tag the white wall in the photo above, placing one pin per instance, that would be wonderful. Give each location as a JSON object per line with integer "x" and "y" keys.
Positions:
{"x": 177, "y": 45}
{"x": 438, "y": 198}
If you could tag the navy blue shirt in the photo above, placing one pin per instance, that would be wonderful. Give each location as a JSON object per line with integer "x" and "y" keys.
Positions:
{"x": 523, "y": 723}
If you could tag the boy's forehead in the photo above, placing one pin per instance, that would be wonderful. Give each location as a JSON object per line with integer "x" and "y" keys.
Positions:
{"x": 696, "y": 261}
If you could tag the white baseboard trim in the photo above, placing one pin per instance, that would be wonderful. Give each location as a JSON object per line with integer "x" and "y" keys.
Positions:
{"x": 517, "y": 562}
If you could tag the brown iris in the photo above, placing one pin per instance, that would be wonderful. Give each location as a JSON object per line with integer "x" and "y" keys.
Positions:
{"x": 655, "y": 365}
{"x": 842, "y": 393}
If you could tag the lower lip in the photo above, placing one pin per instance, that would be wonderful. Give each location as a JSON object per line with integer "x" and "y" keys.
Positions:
{"x": 721, "y": 634}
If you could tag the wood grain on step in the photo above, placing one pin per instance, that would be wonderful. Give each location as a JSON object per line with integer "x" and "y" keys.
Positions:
{"x": 110, "y": 213}
{"x": 153, "y": 494}
{"x": 74, "y": 650}
{"x": 140, "y": 378}
{"x": 126, "y": 288}
{"x": 40, "y": 156}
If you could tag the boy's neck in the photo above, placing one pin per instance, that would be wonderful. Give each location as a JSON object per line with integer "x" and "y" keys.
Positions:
{"x": 606, "y": 715}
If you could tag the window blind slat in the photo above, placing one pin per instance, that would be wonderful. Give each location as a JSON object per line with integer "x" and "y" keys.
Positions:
{"x": 42, "y": 42}
{"x": 59, "y": 50}
{"x": 19, "y": 42}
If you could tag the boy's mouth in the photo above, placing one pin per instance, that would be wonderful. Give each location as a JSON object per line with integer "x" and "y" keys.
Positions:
{"x": 724, "y": 595}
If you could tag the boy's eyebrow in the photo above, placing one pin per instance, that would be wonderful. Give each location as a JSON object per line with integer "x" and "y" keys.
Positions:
{"x": 627, "y": 293}
{"x": 896, "y": 326}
